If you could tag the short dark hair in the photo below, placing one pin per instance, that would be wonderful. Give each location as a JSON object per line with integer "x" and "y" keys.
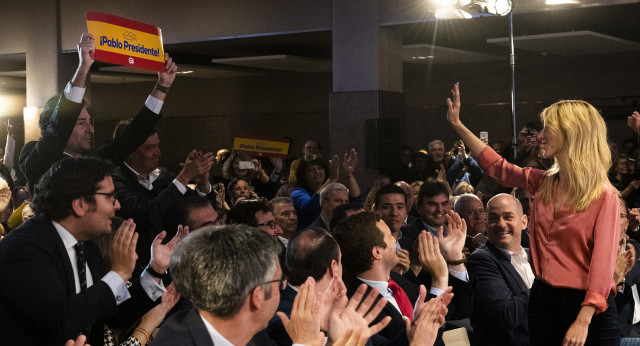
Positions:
{"x": 66, "y": 181}
{"x": 340, "y": 213}
{"x": 309, "y": 253}
{"x": 302, "y": 169}
{"x": 389, "y": 189}
{"x": 217, "y": 267}
{"x": 357, "y": 235}
{"x": 183, "y": 208}
{"x": 244, "y": 212}
{"x": 432, "y": 188}
{"x": 50, "y": 108}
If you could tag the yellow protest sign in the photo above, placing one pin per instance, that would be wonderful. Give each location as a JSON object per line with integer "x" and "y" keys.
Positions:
{"x": 124, "y": 41}
{"x": 264, "y": 147}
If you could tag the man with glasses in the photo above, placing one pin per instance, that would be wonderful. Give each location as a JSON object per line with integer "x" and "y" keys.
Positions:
{"x": 256, "y": 213}
{"x": 53, "y": 275}
{"x": 232, "y": 276}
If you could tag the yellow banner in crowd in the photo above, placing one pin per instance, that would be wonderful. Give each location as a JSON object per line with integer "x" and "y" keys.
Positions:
{"x": 264, "y": 147}
{"x": 124, "y": 41}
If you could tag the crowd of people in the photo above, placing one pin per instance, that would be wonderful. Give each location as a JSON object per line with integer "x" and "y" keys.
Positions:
{"x": 104, "y": 246}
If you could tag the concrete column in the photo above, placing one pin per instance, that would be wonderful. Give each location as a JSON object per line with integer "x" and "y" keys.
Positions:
{"x": 48, "y": 70}
{"x": 367, "y": 78}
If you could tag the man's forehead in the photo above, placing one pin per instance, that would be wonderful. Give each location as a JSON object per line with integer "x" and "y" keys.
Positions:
{"x": 441, "y": 198}
{"x": 285, "y": 206}
{"x": 263, "y": 217}
{"x": 392, "y": 198}
{"x": 502, "y": 205}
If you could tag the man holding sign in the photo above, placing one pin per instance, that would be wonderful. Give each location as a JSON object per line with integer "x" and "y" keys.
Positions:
{"x": 66, "y": 128}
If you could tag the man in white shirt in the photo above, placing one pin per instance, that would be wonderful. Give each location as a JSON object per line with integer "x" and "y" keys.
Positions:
{"x": 501, "y": 277}
{"x": 53, "y": 275}
{"x": 232, "y": 276}
{"x": 65, "y": 123}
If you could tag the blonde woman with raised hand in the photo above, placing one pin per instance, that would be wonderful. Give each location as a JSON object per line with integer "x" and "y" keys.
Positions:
{"x": 573, "y": 224}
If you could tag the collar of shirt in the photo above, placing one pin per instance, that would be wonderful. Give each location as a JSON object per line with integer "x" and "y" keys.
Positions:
{"x": 293, "y": 287}
{"x": 146, "y": 182}
{"x": 434, "y": 230}
{"x": 68, "y": 240}
{"x": 522, "y": 254}
{"x": 385, "y": 291}
{"x": 216, "y": 337}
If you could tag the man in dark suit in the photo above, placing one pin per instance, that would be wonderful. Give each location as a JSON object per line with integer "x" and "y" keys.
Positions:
{"x": 310, "y": 253}
{"x": 331, "y": 196}
{"x": 369, "y": 253}
{"x": 232, "y": 277}
{"x": 53, "y": 275}
{"x": 65, "y": 123}
{"x": 501, "y": 277}
{"x": 148, "y": 193}
{"x": 432, "y": 206}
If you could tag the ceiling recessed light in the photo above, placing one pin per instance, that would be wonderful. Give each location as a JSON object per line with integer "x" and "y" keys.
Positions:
{"x": 184, "y": 72}
{"x": 423, "y": 57}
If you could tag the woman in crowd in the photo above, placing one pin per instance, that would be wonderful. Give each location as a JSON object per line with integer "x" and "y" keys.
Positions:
{"x": 574, "y": 223}
{"x": 263, "y": 184}
{"x": 312, "y": 177}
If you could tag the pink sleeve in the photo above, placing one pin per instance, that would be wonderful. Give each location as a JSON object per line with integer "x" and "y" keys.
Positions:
{"x": 605, "y": 249}
{"x": 508, "y": 174}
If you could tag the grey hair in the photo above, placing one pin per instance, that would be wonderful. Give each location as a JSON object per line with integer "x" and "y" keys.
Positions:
{"x": 280, "y": 200}
{"x": 434, "y": 142}
{"x": 331, "y": 188}
{"x": 465, "y": 196}
{"x": 216, "y": 267}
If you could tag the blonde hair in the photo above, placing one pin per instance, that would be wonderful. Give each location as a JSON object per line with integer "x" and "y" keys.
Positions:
{"x": 584, "y": 155}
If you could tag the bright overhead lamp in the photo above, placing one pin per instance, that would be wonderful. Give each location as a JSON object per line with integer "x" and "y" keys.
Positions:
{"x": 466, "y": 8}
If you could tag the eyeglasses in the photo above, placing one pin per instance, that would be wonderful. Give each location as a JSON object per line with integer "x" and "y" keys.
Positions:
{"x": 282, "y": 282}
{"x": 272, "y": 224}
{"x": 111, "y": 195}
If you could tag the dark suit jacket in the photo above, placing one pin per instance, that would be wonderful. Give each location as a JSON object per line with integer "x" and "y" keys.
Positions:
{"x": 37, "y": 156}
{"x": 318, "y": 223}
{"x": 397, "y": 324}
{"x": 38, "y": 291}
{"x": 275, "y": 329}
{"x": 500, "y": 299}
{"x": 413, "y": 229}
{"x": 460, "y": 306}
{"x": 150, "y": 209}
{"x": 183, "y": 328}
{"x": 624, "y": 300}
{"x": 186, "y": 328}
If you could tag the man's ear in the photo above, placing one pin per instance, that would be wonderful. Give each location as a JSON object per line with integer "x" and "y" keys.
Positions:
{"x": 79, "y": 207}
{"x": 525, "y": 221}
{"x": 256, "y": 298}
{"x": 376, "y": 252}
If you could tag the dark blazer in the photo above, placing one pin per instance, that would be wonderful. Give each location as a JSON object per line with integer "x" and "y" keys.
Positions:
{"x": 275, "y": 329}
{"x": 38, "y": 290}
{"x": 36, "y": 157}
{"x": 624, "y": 300}
{"x": 460, "y": 306}
{"x": 397, "y": 324}
{"x": 500, "y": 299}
{"x": 150, "y": 209}
{"x": 186, "y": 328}
{"x": 318, "y": 223}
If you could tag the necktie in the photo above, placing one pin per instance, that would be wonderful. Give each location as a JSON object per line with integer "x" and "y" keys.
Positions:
{"x": 401, "y": 298}
{"x": 82, "y": 273}
{"x": 82, "y": 265}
